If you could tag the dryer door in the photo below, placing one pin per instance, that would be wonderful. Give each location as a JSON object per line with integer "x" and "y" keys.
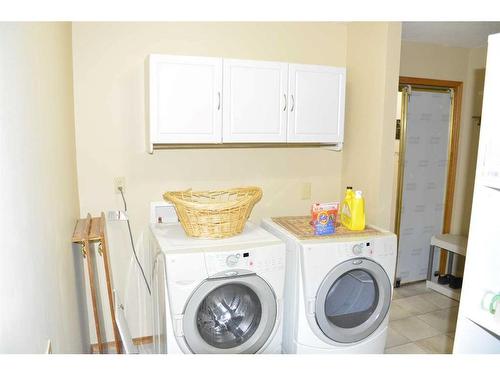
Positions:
{"x": 230, "y": 315}
{"x": 353, "y": 300}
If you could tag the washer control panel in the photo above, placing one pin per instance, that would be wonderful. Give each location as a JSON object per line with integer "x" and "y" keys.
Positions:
{"x": 357, "y": 249}
{"x": 233, "y": 259}
{"x": 255, "y": 260}
{"x": 361, "y": 248}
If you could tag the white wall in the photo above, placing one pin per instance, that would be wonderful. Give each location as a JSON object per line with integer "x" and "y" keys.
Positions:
{"x": 38, "y": 193}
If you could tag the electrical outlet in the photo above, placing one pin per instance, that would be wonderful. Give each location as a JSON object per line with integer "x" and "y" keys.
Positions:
{"x": 306, "y": 191}
{"x": 119, "y": 182}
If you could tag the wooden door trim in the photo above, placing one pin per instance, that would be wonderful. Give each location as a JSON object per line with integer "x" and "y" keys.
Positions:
{"x": 457, "y": 87}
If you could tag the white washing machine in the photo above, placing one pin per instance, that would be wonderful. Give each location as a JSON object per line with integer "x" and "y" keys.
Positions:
{"x": 337, "y": 292}
{"x": 217, "y": 296}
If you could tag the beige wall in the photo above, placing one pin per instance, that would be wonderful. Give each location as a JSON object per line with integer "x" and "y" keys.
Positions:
{"x": 433, "y": 61}
{"x": 456, "y": 64}
{"x": 108, "y": 63}
{"x": 372, "y": 76}
{"x": 109, "y": 112}
{"x": 38, "y": 193}
{"x": 469, "y": 138}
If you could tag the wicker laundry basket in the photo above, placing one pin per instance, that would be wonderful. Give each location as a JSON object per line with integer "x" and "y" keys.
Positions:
{"x": 214, "y": 214}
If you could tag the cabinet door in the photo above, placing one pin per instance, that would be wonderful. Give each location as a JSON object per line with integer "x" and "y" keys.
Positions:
{"x": 255, "y": 101}
{"x": 316, "y": 105}
{"x": 185, "y": 99}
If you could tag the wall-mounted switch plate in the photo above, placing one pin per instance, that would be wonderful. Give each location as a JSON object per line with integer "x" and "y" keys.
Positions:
{"x": 306, "y": 191}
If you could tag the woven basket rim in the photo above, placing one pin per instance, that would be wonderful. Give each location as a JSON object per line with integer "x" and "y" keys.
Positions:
{"x": 172, "y": 196}
{"x": 215, "y": 216}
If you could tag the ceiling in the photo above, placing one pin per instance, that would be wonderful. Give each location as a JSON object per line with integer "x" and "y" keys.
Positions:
{"x": 452, "y": 34}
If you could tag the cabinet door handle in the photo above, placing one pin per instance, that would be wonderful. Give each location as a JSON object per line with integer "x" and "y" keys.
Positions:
{"x": 284, "y": 107}
{"x": 218, "y": 105}
{"x": 293, "y": 104}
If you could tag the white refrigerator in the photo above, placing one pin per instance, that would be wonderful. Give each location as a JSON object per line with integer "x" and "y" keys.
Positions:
{"x": 478, "y": 326}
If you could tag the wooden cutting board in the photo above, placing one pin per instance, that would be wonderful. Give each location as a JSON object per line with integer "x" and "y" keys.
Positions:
{"x": 301, "y": 228}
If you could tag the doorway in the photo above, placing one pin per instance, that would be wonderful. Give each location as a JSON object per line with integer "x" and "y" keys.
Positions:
{"x": 428, "y": 145}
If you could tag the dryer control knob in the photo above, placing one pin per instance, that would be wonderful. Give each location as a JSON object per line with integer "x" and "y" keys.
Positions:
{"x": 232, "y": 260}
{"x": 357, "y": 249}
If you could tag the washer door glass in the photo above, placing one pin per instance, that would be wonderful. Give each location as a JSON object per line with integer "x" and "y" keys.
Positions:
{"x": 229, "y": 316}
{"x": 353, "y": 300}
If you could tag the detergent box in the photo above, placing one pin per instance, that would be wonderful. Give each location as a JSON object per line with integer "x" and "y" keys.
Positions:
{"x": 324, "y": 216}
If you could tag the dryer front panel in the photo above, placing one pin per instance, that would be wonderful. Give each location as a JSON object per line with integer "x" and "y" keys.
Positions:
{"x": 230, "y": 315}
{"x": 353, "y": 300}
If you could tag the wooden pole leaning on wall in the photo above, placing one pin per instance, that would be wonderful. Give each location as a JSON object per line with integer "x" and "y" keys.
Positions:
{"x": 92, "y": 230}
{"x": 81, "y": 236}
{"x": 107, "y": 267}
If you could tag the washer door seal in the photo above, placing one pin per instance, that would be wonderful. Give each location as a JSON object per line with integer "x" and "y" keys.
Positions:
{"x": 230, "y": 315}
{"x": 353, "y": 300}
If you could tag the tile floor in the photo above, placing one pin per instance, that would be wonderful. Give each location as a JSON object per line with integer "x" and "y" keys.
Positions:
{"x": 421, "y": 321}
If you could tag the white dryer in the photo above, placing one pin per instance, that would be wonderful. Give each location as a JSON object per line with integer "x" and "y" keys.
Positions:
{"x": 217, "y": 296}
{"x": 337, "y": 292}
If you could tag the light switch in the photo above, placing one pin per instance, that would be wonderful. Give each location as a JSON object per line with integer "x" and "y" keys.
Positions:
{"x": 306, "y": 191}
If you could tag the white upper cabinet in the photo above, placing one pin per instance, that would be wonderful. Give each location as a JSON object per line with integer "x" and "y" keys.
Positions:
{"x": 185, "y": 99}
{"x": 206, "y": 100}
{"x": 316, "y": 104}
{"x": 255, "y": 101}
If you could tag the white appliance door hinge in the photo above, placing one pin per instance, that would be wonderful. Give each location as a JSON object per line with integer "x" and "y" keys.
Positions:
{"x": 178, "y": 331}
{"x": 311, "y": 306}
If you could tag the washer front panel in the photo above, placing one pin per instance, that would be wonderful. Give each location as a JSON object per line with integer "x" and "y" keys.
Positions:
{"x": 353, "y": 300}
{"x": 230, "y": 315}
{"x": 158, "y": 286}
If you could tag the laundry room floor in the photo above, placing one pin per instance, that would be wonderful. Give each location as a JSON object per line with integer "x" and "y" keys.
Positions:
{"x": 421, "y": 321}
